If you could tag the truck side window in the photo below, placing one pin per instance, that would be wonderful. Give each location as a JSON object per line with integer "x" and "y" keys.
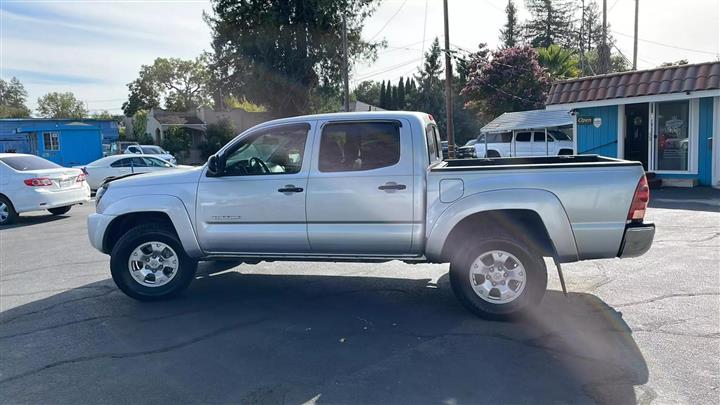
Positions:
{"x": 522, "y": 137}
{"x": 349, "y": 147}
{"x": 273, "y": 151}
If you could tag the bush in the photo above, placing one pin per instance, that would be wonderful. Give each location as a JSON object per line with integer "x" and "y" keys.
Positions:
{"x": 176, "y": 140}
{"x": 144, "y": 139}
{"x": 217, "y": 135}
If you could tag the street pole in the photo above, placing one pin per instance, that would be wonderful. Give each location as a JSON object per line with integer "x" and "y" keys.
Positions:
{"x": 635, "y": 44}
{"x": 604, "y": 51}
{"x": 448, "y": 87}
{"x": 582, "y": 41}
{"x": 346, "y": 84}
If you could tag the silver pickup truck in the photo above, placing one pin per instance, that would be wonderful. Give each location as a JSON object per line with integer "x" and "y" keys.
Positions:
{"x": 372, "y": 187}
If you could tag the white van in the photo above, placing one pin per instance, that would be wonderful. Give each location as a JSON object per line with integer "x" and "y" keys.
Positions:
{"x": 524, "y": 143}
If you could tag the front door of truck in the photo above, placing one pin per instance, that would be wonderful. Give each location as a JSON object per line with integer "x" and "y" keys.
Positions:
{"x": 360, "y": 192}
{"x": 257, "y": 203}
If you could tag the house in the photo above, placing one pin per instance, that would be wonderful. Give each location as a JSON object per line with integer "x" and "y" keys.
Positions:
{"x": 195, "y": 122}
{"x": 667, "y": 118}
{"x": 66, "y": 142}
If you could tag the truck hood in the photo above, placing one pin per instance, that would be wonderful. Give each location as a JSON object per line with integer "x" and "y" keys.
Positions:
{"x": 161, "y": 178}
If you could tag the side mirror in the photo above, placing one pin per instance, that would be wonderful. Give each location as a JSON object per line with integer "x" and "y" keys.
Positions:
{"x": 215, "y": 166}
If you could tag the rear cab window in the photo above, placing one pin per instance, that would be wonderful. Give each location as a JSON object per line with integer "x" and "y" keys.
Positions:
{"x": 27, "y": 163}
{"x": 432, "y": 136}
{"x": 359, "y": 146}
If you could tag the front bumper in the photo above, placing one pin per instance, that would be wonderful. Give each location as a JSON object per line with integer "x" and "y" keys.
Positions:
{"x": 97, "y": 225}
{"x": 637, "y": 240}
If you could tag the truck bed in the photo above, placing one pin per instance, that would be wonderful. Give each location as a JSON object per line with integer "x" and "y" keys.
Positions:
{"x": 540, "y": 162}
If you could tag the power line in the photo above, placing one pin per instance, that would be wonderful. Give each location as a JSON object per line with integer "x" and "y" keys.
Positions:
{"x": 385, "y": 70}
{"x": 388, "y": 21}
{"x": 666, "y": 45}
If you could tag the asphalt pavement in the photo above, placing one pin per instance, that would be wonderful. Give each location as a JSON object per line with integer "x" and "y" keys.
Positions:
{"x": 631, "y": 331}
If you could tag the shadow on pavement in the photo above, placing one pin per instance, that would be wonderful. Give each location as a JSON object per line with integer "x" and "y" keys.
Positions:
{"x": 692, "y": 199}
{"x": 30, "y": 220}
{"x": 257, "y": 339}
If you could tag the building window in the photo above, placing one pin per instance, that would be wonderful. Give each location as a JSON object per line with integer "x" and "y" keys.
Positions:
{"x": 51, "y": 141}
{"x": 672, "y": 123}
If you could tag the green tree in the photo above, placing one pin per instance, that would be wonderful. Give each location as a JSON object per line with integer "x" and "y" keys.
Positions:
{"x": 12, "y": 99}
{"x": 217, "y": 135}
{"x": 139, "y": 124}
{"x": 383, "y": 96}
{"x": 183, "y": 84}
{"x": 592, "y": 63}
{"x": 263, "y": 49}
{"x": 394, "y": 97}
{"x": 401, "y": 94}
{"x": 176, "y": 140}
{"x": 560, "y": 63}
{"x": 410, "y": 94}
{"x": 430, "y": 93}
{"x": 102, "y": 115}
{"x": 369, "y": 92}
{"x": 509, "y": 79}
{"x": 509, "y": 34}
{"x": 551, "y": 22}
{"x": 61, "y": 105}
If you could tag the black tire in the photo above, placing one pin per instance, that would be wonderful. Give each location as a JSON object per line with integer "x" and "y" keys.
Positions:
{"x": 121, "y": 273}
{"x": 492, "y": 154}
{"x": 12, "y": 214}
{"x": 565, "y": 152}
{"x": 60, "y": 210}
{"x": 535, "y": 282}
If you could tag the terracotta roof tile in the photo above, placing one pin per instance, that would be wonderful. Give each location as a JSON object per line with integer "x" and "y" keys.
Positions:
{"x": 672, "y": 79}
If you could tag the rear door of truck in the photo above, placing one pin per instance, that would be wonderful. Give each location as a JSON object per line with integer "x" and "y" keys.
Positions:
{"x": 360, "y": 190}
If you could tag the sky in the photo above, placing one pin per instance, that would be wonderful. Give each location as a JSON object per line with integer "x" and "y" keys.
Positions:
{"x": 93, "y": 48}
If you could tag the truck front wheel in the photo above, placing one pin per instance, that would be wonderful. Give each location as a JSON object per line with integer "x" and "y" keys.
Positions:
{"x": 496, "y": 277}
{"x": 148, "y": 263}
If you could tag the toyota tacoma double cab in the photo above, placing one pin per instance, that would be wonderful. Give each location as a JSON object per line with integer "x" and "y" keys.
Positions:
{"x": 372, "y": 187}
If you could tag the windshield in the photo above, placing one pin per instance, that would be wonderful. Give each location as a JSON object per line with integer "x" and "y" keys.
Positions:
{"x": 26, "y": 162}
{"x": 560, "y": 136}
{"x": 152, "y": 150}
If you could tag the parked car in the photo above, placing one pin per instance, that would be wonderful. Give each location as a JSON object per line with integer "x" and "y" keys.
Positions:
{"x": 466, "y": 151}
{"x": 444, "y": 146}
{"x": 118, "y": 147}
{"x": 31, "y": 183}
{"x": 371, "y": 187}
{"x": 151, "y": 150}
{"x": 108, "y": 167}
{"x": 526, "y": 143}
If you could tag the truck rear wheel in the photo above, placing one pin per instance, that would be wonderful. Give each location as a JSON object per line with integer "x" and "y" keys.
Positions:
{"x": 496, "y": 277}
{"x": 148, "y": 263}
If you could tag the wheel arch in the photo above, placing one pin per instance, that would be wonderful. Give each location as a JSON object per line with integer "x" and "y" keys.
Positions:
{"x": 165, "y": 210}
{"x": 536, "y": 215}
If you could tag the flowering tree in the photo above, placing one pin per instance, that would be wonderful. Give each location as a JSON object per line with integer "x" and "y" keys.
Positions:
{"x": 509, "y": 79}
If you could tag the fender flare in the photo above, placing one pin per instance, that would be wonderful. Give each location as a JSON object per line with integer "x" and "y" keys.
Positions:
{"x": 544, "y": 203}
{"x": 170, "y": 205}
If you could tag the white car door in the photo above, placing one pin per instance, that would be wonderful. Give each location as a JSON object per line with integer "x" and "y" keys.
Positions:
{"x": 257, "y": 203}
{"x": 522, "y": 145}
{"x": 539, "y": 146}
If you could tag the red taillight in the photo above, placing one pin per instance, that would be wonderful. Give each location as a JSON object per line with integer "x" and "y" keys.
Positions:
{"x": 81, "y": 177}
{"x": 39, "y": 182}
{"x": 640, "y": 201}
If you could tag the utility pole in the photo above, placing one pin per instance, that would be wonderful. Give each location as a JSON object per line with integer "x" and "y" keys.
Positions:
{"x": 604, "y": 49}
{"x": 582, "y": 40}
{"x": 635, "y": 44}
{"x": 448, "y": 87}
{"x": 346, "y": 84}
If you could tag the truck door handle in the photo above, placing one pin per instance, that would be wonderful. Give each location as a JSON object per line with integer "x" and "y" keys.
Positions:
{"x": 392, "y": 186}
{"x": 290, "y": 189}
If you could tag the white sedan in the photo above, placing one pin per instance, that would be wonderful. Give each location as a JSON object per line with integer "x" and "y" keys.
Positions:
{"x": 151, "y": 150}
{"x": 31, "y": 183}
{"x": 119, "y": 165}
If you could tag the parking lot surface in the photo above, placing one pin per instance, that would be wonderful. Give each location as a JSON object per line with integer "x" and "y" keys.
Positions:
{"x": 631, "y": 331}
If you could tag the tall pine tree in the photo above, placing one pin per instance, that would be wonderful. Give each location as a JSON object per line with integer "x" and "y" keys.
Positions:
{"x": 401, "y": 94}
{"x": 551, "y": 22}
{"x": 510, "y": 32}
{"x": 383, "y": 98}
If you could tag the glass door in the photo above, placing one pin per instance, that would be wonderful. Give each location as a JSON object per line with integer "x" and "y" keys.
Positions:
{"x": 670, "y": 146}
